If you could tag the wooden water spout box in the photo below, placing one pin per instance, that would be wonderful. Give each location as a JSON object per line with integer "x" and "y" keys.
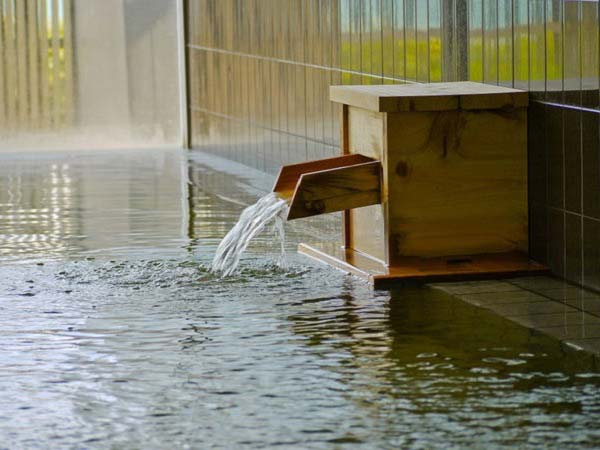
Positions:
{"x": 451, "y": 179}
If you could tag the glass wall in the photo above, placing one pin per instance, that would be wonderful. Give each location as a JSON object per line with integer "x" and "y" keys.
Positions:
{"x": 99, "y": 73}
{"x": 259, "y": 73}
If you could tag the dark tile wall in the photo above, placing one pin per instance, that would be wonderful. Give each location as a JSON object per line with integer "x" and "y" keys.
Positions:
{"x": 259, "y": 72}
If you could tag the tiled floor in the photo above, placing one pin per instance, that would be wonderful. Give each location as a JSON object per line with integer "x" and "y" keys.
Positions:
{"x": 544, "y": 304}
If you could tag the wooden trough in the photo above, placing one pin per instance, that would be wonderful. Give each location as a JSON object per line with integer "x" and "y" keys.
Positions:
{"x": 432, "y": 179}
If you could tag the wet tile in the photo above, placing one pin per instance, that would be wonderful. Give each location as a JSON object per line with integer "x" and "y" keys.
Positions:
{"x": 589, "y": 345}
{"x": 556, "y": 242}
{"x": 581, "y": 331}
{"x": 450, "y": 287}
{"x": 538, "y": 233}
{"x": 554, "y": 145}
{"x": 591, "y": 253}
{"x": 586, "y": 304}
{"x": 475, "y": 287}
{"x": 540, "y": 282}
{"x": 530, "y": 308}
{"x": 537, "y": 153}
{"x": 570, "y": 319}
{"x": 492, "y": 298}
{"x": 591, "y": 164}
{"x": 573, "y": 262}
{"x": 567, "y": 292}
{"x": 572, "y": 154}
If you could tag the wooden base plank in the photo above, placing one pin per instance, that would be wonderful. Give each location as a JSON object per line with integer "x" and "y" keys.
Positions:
{"x": 424, "y": 270}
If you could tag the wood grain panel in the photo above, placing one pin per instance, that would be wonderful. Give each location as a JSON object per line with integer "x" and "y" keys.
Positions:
{"x": 366, "y": 133}
{"x": 457, "y": 182}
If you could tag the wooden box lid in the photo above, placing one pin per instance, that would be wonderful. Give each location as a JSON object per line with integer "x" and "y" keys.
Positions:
{"x": 429, "y": 97}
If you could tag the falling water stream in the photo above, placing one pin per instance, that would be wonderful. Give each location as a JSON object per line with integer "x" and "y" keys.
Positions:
{"x": 252, "y": 221}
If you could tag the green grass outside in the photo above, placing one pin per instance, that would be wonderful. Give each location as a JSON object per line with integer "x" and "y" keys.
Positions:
{"x": 415, "y": 60}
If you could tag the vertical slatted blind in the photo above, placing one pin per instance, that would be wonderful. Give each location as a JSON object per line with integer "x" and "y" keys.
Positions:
{"x": 36, "y": 65}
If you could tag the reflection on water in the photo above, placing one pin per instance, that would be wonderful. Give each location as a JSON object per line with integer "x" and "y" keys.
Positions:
{"x": 33, "y": 207}
{"x": 116, "y": 335}
{"x": 68, "y": 204}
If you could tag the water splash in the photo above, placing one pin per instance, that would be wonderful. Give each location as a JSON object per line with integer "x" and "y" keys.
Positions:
{"x": 252, "y": 221}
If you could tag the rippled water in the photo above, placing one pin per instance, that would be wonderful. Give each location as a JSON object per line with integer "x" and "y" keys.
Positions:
{"x": 116, "y": 335}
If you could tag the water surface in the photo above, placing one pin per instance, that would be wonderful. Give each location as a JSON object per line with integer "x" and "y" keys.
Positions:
{"x": 115, "y": 334}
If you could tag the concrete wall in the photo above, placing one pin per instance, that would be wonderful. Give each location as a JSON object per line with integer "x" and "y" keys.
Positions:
{"x": 152, "y": 64}
{"x": 101, "y": 65}
{"x": 127, "y": 71}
